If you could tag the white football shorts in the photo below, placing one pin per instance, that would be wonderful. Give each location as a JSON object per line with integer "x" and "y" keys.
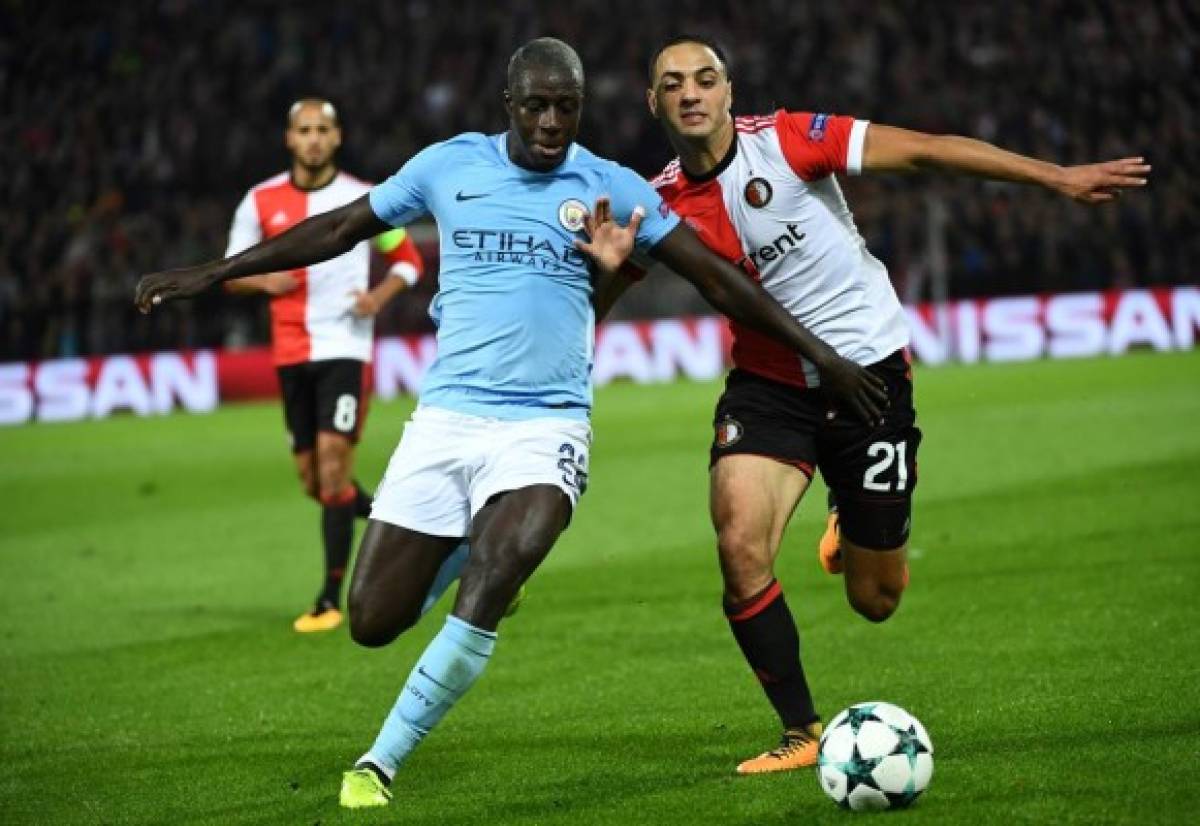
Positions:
{"x": 448, "y": 465}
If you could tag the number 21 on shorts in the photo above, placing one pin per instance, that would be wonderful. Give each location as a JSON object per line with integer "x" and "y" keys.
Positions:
{"x": 888, "y": 454}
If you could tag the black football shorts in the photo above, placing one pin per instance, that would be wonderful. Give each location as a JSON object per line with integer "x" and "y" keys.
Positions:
{"x": 871, "y": 468}
{"x": 323, "y": 396}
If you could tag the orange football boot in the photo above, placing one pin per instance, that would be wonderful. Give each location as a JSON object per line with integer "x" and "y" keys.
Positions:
{"x": 324, "y": 617}
{"x": 797, "y": 749}
{"x": 829, "y": 552}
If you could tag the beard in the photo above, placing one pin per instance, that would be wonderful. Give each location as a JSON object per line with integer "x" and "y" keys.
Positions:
{"x": 315, "y": 162}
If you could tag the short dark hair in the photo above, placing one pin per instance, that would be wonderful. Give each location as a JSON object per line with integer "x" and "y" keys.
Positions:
{"x": 703, "y": 40}
{"x": 545, "y": 52}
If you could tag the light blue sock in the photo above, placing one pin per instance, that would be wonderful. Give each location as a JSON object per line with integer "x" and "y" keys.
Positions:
{"x": 450, "y": 571}
{"x": 450, "y": 665}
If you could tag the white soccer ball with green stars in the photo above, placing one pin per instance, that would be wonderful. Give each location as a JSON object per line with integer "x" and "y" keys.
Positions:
{"x": 875, "y": 756}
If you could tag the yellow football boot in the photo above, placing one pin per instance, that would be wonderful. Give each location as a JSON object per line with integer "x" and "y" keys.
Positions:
{"x": 362, "y": 789}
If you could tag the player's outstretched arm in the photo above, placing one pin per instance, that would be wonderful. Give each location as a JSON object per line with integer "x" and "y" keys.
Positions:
{"x": 316, "y": 239}
{"x": 608, "y": 287}
{"x": 609, "y": 246}
{"x": 272, "y": 284}
{"x": 743, "y": 299}
{"x": 890, "y": 149}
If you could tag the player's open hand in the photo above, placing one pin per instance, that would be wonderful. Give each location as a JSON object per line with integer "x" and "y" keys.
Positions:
{"x": 854, "y": 389}
{"x": 172, "y": 285}
{"x": 609, "y": 243}
{"x": 1098, "y": 183}
{"x": 365, "y": 304}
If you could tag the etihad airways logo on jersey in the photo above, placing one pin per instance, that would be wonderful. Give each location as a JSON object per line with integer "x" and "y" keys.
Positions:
{"x": 499, "y": 246}
{"x": 773, "y": 251}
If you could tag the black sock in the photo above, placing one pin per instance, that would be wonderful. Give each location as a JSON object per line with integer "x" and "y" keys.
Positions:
{"x": 766, "y": 633}
{"x": 362, "y": 501}
{"x": 337, "y": 530}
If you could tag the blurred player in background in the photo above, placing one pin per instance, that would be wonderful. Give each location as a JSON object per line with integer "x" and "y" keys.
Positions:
{"x": 322, "y": 319}
{"x": 761, "y": 192}
{"x": 498, "y": 448}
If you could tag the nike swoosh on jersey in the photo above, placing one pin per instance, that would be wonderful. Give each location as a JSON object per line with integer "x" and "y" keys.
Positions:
{"x": 460, "y": 197}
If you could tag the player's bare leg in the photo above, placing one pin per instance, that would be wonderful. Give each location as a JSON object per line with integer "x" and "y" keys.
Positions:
{"x": 510, "y": 537}
{"x": 752, "y": 500}
{"x": 306, "y": 472}
{"x": 874, "y": 579}
{"x": 335, "y": 458}
{"x": 392, "y": 576}
{"x": 323, "y": 616}
{"x": 449, "y": 572}
{"x": 325, "y": 472}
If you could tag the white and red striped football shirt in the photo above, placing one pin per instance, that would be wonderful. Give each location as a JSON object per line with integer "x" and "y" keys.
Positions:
{"x": 773, "y": 208}
{"x": 314, "y": 322}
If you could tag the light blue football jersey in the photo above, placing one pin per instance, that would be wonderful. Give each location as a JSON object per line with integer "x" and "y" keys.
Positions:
{"x": 514, "y": 311}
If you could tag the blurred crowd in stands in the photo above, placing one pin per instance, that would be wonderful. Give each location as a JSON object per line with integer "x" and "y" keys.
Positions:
{"x": 132, "y": 129}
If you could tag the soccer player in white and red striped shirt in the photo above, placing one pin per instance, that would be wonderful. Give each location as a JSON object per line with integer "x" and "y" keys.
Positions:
{"x": 321, "y": 330}
{"x": 761, "y": 192}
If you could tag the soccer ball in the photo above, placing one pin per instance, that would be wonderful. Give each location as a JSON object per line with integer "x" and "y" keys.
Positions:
{"x": 875, "y": 756}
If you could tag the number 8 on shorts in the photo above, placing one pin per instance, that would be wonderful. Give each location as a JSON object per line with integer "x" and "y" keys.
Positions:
{"x": 345, "y": 413}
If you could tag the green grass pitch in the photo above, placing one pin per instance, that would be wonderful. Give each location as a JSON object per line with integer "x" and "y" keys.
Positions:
{"x": 1049, "y": 639}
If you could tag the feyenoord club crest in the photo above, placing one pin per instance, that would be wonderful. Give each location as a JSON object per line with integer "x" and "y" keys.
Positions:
{"x": 758, "y": 193}
{"x": 571, "y": 213}
{"x": 729, "y": 432}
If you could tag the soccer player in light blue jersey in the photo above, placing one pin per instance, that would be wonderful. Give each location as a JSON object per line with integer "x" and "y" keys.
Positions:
{"x": 498, "y": 448}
